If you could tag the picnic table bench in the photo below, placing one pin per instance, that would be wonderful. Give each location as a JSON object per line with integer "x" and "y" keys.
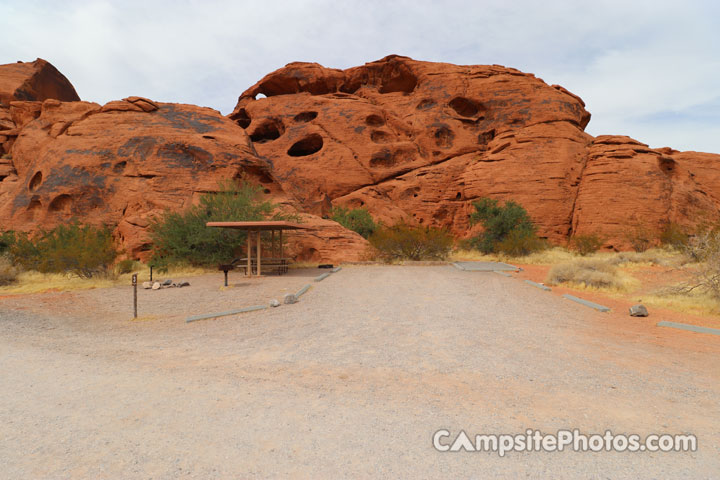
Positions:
{"x": 278, "y": 265}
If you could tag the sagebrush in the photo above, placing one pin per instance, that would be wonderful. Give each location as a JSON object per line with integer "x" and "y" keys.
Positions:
{"x": 407, "y": 242}
{"x": 586, "y": 244}
{"x": 704, "y": 248}
{"x": 586, "y": 272}
{"x": 8, "y": 271}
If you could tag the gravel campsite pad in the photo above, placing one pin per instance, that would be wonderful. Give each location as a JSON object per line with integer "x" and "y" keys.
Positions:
{"x": 351, "y": 381}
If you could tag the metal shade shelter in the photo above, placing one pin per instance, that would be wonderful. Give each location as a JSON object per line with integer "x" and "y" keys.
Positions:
{"x": 258, "y": 227}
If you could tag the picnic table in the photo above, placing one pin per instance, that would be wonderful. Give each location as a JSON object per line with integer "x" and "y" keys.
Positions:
{"x": 254, "y": 263}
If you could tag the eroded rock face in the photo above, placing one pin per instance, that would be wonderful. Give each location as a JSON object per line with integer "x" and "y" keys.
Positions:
{"x": 34, "y": 81}
{"x": 126, "y": 161}
{"x": 413, "y": 141}
{"x": 419, "y": 141}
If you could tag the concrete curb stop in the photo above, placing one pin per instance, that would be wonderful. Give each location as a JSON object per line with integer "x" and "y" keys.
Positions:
{"x": 336, "y": 269}
{"x": 504, "y": 274}
{"x": 225, "y": 314}
{"x": 322, "y": 277}
{"x": 302, "y": 290}
{"x": 538, "y": 285}
{"x": 691, "y": 328}
{"x": 587, "y": 303}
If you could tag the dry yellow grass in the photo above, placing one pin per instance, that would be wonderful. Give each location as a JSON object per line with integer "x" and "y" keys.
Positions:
{"x": 694, "y": 303}
{"x": 595, "y": 274}
{"x": 557, "y": 255}
{"x": 35, "y": 282}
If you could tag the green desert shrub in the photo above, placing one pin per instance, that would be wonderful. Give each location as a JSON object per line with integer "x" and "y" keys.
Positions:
{"x": 586, "y": 244}
{"x": 357, "y": 219}
{"x": 184, "y": 238}
{"x": 508, "y": 228}
{"x": 407, "y": 242}
{"x": 7, "y": 239}
{"x": 586, "y": 272}
{"x": 82, "y": 250}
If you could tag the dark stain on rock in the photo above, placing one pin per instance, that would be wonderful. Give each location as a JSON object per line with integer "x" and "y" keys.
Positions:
{"x": 180, "y": 155}
{"x": 138, "y": 147}
{"x": 182, "y": 119}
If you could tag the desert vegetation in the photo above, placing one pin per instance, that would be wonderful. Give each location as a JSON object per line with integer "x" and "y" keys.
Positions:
{"x": 183, "y": 237}
{"x": 586, "y": 244}
{"x": 85, "y": 251}
{"x": 409, "y": 242}
{"x": 358, "y": 220}
{"x": 508, "y": 228}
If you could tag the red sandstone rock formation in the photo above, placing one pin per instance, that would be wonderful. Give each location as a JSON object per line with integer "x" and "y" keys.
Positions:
{"x": 34, "y": 81}
{"x": 409, "y": 140}
{"x": 126, "y": 161}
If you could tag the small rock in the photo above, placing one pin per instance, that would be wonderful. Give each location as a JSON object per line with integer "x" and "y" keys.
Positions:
{"x": 274, "y": 303}
{"x": 156, "y": 286}
{"x": 290, "y": 298}
{"x": 183, "y": 284}
{"x": 638, "y": 311}
{"x": 147, "y": 285}
{"x": 167, "y": 283}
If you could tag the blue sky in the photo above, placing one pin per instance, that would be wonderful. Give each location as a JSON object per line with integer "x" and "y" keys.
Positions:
{"x": 645, "y": 69}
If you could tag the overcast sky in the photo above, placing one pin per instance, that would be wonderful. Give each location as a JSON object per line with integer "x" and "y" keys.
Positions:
{"x": 650, "y": 70}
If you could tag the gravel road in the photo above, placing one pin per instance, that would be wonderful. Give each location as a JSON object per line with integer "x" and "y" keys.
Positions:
{"x": 351, "y": 382}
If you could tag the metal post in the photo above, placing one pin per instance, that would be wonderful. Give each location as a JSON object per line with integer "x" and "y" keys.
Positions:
{"x": 249, "y": 253}
{"x": 226, "y": 272}
{"x": 134, "y": 284}
{"x": 258, "y": 253}
{"x": 272, "y": 243}
{"x": 281, "y": 245}
{"x": 151, "y": 267}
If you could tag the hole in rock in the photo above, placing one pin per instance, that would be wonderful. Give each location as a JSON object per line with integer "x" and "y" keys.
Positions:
{"x": 266, "y": 191}
{"x": 666, "y": 164}
{"x": 375, "y": 120}
{"x": 458, "y": 196}
{"x": 383, "y": 158}
{"x": 485, "y": 137}
{"x": 465, "y": 107}
{"x": 304, "y": 117}
{"x": 119, "y": 167}
{"x": 425, "y": 104}
{"x": 378, "y": 136}
{"x": 242, "y": 118}
{"x": 307, "y": 146}
{"x": 61, "y": 203}
{"x": 267, "y": 131}
{"x": 444, "y": 137}
{"x": 257, "y": 173}
{"x": 35, "y": 181}
{"x": 398, "y": 80}
{"x": 209, "y": 137}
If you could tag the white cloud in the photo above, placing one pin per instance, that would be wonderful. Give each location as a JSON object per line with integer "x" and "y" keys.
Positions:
{"x": 638, "y": 65}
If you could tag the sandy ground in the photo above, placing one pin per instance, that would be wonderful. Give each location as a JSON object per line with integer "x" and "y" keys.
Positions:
{"x": 350, "y": 382}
